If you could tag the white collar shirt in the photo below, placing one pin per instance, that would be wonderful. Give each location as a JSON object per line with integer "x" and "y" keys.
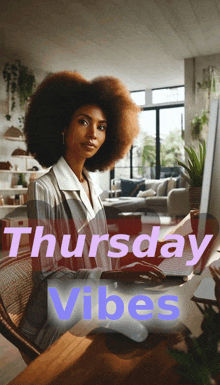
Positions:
{"x": 72, "y": 188}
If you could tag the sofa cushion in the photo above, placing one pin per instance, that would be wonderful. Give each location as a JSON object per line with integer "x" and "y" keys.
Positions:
{"x": 147, "y": 193}
{"x": 171, "y": 184}
{"x": 152, "y": 183}
{"x": 131, "y": 187}
{"x": 156, "y": 201}
{"x": 162, "y": 188}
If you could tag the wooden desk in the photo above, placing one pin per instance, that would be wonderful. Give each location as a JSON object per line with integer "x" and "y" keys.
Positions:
{"x": 98, "y": 360}
{"x": 103, "y": 359}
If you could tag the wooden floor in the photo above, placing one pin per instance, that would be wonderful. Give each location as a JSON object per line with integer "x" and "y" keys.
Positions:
{"x": 11, "y": 362}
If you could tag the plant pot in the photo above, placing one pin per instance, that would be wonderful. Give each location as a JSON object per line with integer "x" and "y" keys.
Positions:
{"x": 194, "y": 197}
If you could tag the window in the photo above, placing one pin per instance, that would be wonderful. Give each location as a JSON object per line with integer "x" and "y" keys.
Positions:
{"x": 144, "y": 148}
{"x": 138, "y": 97}
{"x": 168, "y": 95}
{"x": 161, "y": 139}
{"x": 171, "y": 140}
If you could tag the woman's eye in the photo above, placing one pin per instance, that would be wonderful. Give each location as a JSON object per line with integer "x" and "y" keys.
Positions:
{"x": 83, "y": 122}
{"x": 102, "y": 127}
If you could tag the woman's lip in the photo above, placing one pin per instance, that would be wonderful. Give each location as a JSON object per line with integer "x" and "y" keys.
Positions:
{"x": 89, "y": 145}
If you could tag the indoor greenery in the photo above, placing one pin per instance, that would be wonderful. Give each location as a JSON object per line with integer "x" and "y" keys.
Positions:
{"x": 195, "y": 167}
{"x": 207, "y": 79}
{"x": 21, "y": 122}
{"x": 170, "y": 148}
{"x": 19, "y": 81}
{"x": 200, "y": 364}
{"x": 197, "y": 125}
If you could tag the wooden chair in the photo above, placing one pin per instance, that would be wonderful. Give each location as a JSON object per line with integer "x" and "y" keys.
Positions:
{"x": 15, "y": 288}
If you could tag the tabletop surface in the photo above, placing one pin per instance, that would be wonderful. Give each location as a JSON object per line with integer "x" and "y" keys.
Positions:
{"x": 100, "y": 359}
{"x": 78, "y": 358}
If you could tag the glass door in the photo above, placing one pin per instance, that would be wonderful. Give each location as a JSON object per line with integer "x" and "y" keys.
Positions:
{"x": 144, "y": 148}
{"x": 171, "y": 140}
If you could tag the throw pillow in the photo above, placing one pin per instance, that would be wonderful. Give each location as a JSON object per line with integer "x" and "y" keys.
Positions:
{"x": 131, "y": 187}
{"x": 171, "y": 184}
{"x": 162, "y": 188}
{"x": 148, "y": 193}
{"x": 180, "y": 182}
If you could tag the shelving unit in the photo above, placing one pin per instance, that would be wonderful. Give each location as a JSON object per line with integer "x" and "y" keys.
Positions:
{"x": 6, "y": 209}
{"x": 7, "y": 191}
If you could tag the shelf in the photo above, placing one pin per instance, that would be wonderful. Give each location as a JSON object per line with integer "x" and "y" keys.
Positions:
{"x": 9, "y": 206}
{"x": 22, "y": 171}
{"x": 14, "y": 139}
{"x": 22, "y": 156}
{"x": 24, "y": 189}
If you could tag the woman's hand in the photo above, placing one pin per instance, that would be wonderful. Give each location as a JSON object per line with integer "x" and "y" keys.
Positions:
{"x": 141, "y": 272}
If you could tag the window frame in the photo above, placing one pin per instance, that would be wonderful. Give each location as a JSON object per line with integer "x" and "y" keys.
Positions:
{"x": 157, "y": 108}
{"x": 165, "y": 88}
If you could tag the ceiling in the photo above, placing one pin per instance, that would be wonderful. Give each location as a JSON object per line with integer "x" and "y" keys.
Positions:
{"x": 143, "y": 42}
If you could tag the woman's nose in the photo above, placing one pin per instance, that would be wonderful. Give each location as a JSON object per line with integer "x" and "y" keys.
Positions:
{"x": 91, "y": 133}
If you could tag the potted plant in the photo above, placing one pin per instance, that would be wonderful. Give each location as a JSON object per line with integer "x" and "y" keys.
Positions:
{"x": 195, "y": 169}
{"x": 19, "y": 81}
{"x": 197, "y": 125}
{"x": 200, "y": 364}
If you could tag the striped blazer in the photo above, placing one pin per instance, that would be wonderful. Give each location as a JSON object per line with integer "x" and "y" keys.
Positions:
{"x": 58, "y": 202}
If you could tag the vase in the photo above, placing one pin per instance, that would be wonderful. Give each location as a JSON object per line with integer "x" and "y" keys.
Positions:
{"x": 194, "y": 197}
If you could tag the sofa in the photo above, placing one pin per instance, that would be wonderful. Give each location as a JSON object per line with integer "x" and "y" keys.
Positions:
{"x": 168, "y": 195}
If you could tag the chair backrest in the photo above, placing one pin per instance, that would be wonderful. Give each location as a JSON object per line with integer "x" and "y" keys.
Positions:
{"x": 16, "y": 284}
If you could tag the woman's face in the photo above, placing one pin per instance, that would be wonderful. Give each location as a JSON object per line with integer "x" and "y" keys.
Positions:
{"x": 86, "y": 132}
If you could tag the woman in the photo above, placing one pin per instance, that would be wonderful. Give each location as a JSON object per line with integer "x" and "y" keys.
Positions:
{"x": 75, "y": 126}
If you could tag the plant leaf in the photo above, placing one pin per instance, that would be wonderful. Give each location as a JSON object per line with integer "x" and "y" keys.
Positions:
{"x": 183, "y": 165}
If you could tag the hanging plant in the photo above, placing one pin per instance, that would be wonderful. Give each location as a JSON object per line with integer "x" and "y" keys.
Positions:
{"x": 21, "y": 122}
{"x": 197, "y": 125}
{"x": 26, "y": 84}
{"x": 207, "y": 78}
{"x": 19, "y": 81}
{"x": 10, "y": 76}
